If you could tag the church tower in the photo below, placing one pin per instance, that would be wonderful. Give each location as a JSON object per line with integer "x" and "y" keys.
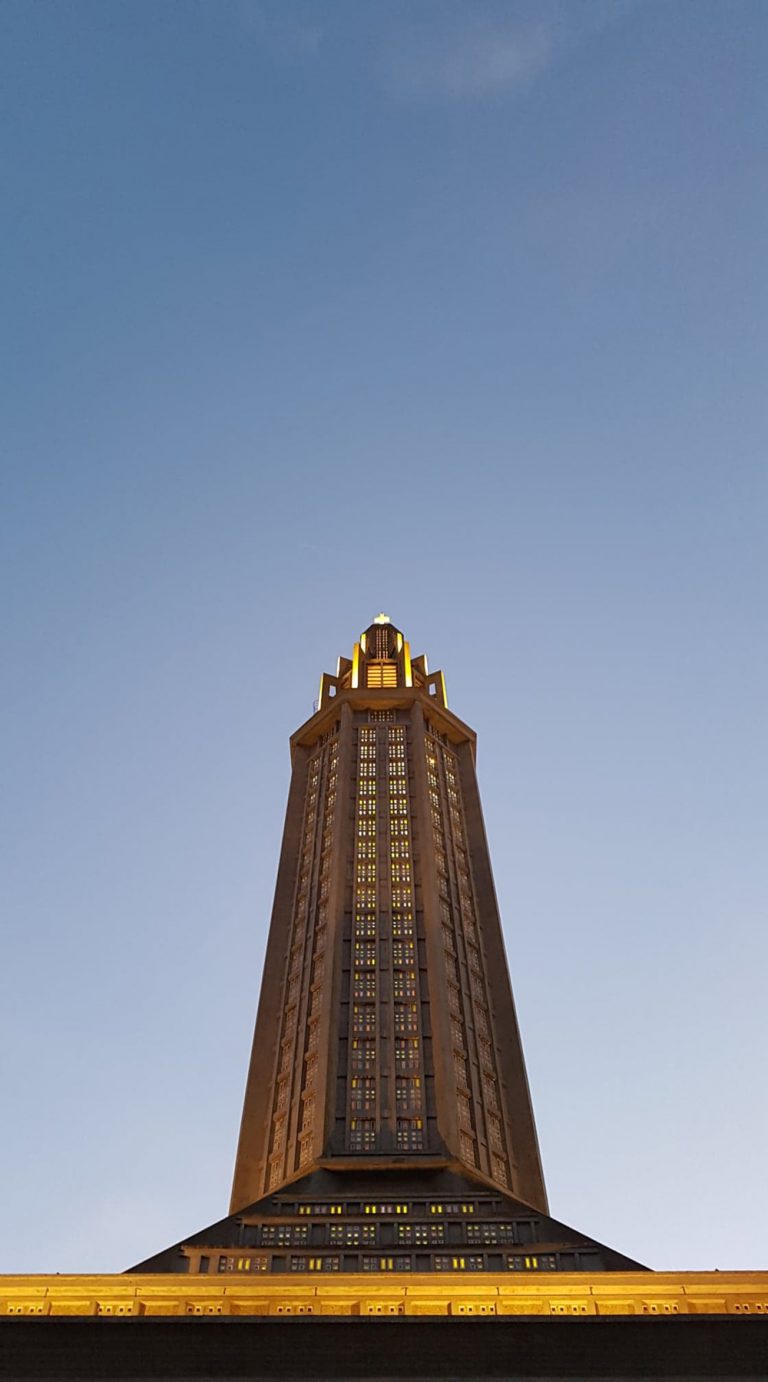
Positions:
{"x": 387, "y": 1122}
{"x": 386, "y": 1030}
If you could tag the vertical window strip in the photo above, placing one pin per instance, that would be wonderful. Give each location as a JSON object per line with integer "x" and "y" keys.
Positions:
{"x": 466, "y": 919}
{"x": 362, "y": 1046}
{"x": 317, "y": 978}
{"x": 316, "y": 830}
{"x": 409, "y": 1079}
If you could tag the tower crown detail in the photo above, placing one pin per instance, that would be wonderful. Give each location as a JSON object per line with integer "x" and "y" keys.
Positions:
{"x": 381, "y": 661}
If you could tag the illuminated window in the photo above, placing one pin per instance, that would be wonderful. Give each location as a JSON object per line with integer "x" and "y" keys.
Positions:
{"x": 406, "y": 1017}
{"x": 364, "y": 984}
{"x": 352, "y": 1235}
{"x": 363, "y": 1018}
{"x": 404, "y": 984}
{"x": 363, "y": 1055}
{"x": 403, "y": 953}
{"x": 406, "y": 1054}
{"x": 547, "y": 1262}
{"x": 421, "y": 1235}
{"x": 243, "y": 1264}
{"x": 362, "y": 1134}
{"x": 491, "y": 1234}
{"x": 387, "y": 1264}
{"x": 407, "y": 1093}
{"x": 364, "y": 955}
{"x": 281, "y": 1235}
{"x": 409, "y": 1135}
{"x": 381, "y": 674}
{"x": 362, "y": 1096}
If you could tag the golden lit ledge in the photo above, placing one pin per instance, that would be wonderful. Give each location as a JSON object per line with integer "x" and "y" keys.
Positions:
{"x": 573, "y": 1294}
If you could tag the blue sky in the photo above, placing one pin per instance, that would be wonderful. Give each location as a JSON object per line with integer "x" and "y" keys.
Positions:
{"x": 452, "y": 310}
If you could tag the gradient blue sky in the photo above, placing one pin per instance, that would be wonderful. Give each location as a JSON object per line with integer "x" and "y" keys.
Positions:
{"x": 454, "y": 310}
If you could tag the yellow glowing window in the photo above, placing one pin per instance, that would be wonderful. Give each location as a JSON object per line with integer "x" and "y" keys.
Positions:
{"x": 381, "y": 674}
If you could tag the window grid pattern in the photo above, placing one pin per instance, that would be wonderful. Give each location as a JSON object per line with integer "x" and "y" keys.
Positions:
{"x": 408, "y": 1058}
{"x": 362, "y": 1081}
{"x": 477, "y": 1234}
{"x": 470, "y": 1024}
{"x": 306, "y": 967}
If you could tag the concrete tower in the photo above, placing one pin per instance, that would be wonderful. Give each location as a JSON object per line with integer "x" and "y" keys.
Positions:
{"x": 387, "y": 1122}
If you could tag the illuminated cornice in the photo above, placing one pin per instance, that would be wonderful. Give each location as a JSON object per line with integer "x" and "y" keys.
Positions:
{"x": 578, "y": 1294}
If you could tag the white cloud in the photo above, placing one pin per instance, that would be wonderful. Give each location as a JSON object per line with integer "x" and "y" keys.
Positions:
{"x": 473, "y": 63}
{"x": 500, "y": 47}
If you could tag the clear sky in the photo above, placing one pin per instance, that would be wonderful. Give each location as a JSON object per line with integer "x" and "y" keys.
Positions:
{"x": 455, "y": 310}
